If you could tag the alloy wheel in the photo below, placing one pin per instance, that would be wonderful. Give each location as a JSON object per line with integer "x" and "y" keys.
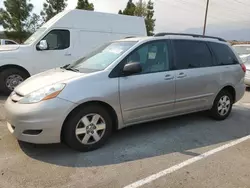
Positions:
{"x": 90, "y": 129}
{"x": 224, "y": 105}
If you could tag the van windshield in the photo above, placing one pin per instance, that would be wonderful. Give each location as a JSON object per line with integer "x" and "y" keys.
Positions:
{"x": 102, "y": 57}
{"x": 35, "y": 36}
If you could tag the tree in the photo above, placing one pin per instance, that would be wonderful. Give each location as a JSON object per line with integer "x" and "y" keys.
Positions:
{"x": 33, "y": 23}
{"x": 129, "y": 10}
{"x": 51, "y": 8}
{"x": 149, "y": 20}
{"x": 142, "y": 9}
{"x": 85, "y": 5}
{"x": 14, "y": 18}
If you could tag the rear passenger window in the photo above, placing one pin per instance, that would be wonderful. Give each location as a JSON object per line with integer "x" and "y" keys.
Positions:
{"x": 192, "y": 54}
{"x": 223, "y": 53}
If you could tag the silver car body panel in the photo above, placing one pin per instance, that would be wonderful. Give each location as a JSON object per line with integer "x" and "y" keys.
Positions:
{"x": 46, "y": 78}
{"x": 47, "y": 116}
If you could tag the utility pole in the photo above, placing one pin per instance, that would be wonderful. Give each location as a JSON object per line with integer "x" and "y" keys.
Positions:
{"x": 205, "y": 22}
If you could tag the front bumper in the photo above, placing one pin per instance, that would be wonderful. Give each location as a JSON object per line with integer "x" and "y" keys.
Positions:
{"x": 38, "y": 123}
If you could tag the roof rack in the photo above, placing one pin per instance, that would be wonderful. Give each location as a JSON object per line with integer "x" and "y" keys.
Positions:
{"x": 186, "y": 34}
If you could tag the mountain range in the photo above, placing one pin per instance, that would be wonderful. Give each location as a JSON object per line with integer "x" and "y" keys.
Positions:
{"x": 226, "y": 32}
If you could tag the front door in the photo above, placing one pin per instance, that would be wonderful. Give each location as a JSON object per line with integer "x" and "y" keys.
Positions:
{"x": 59, "y": 51}
{"x": 150, "y": 94}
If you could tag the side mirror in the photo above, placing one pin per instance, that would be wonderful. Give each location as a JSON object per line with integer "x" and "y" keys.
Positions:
{"x": 43, "y": 45}
{"x": 132, "y": 68}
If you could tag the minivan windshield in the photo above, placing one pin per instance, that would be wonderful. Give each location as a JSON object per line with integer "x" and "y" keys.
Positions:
{"x": 102, "y": 57}
{"x": 242, "y": 50}
{"x": 35, "y": 36}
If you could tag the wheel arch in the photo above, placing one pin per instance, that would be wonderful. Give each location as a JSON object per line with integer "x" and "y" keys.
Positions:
{"x": 231, "y": 90}
{"x": 93, "y": 102}
{"x": 4, "y": 67}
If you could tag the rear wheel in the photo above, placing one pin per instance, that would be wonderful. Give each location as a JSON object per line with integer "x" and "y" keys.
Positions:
{"x": 10, "y": 78}
{"x": 88, "y": 128}
{"x": 222, "y": 105}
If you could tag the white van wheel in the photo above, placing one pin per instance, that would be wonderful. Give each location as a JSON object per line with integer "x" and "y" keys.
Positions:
{"x": 10, "y": 78}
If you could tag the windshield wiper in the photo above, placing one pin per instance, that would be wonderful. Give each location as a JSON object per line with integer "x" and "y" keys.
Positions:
{"x": 66, "y": 67}
{"x": 72, "y": 69}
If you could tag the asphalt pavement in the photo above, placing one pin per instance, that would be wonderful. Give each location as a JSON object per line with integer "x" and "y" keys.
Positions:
{"x": 135, "y": 153}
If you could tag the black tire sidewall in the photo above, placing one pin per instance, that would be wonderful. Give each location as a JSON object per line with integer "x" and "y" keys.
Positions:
{"x": 69, "y": 127}
{"x": 6, "y": 73}
{"x": 214, "y": 111}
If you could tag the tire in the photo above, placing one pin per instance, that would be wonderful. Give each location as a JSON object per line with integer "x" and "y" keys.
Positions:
{"x": 5, "y": 79}
{"x": 76, "y": 140}
{"x": 222, "y": 105}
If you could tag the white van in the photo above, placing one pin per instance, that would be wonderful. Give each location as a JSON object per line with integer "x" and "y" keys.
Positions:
{"x": 62, "y": 40}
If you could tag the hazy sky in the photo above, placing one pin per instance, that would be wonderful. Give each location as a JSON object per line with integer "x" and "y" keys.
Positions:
{"x": 178, "y": 15}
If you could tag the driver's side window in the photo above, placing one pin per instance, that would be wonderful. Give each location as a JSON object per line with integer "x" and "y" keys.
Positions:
{"x": 57, "y": 39}
{"x": 153, "y": 57}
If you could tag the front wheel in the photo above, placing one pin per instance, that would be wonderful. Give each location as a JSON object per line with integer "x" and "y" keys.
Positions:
{"x": 88, "y": 128}
{"x": 222, "y": 105}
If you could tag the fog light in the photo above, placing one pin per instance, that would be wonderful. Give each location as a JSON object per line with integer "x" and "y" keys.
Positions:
{"x": 32, "y": 132}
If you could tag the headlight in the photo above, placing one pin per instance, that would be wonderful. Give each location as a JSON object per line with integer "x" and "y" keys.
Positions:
{"x": 46, "y": 93}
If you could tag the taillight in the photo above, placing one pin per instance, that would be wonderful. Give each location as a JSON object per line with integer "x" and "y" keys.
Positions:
{"x": 243, "y": 67}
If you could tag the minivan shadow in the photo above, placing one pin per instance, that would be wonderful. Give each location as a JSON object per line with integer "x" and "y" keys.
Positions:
{"x": 146, "y": 140}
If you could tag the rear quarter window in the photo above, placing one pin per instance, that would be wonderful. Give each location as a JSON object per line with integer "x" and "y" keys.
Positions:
{"x": 224, "y": 55}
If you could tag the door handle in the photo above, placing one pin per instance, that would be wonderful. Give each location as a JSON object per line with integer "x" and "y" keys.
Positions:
{"x": 169, "y": 77}
{"x": 181, "y": 75}
{"x": 68, "y": 54}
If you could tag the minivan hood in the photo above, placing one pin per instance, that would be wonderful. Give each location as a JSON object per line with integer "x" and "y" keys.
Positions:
{"x": 9, "y": 47}
{"x": 44, "y": 79}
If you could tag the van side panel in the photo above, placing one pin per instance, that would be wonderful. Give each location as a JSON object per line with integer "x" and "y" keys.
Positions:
{"x": 87, "y": 41}
{"x": 101, "y": 22}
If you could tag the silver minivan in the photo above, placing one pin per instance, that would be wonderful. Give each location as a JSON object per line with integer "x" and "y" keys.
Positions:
{"x": 126, "y": 82}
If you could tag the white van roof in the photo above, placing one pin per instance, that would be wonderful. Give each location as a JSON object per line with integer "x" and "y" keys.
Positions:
{"x": 98, "y": 21}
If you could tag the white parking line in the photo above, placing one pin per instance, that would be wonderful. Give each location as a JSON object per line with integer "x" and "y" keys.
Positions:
{"x": 185, "y": 163}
